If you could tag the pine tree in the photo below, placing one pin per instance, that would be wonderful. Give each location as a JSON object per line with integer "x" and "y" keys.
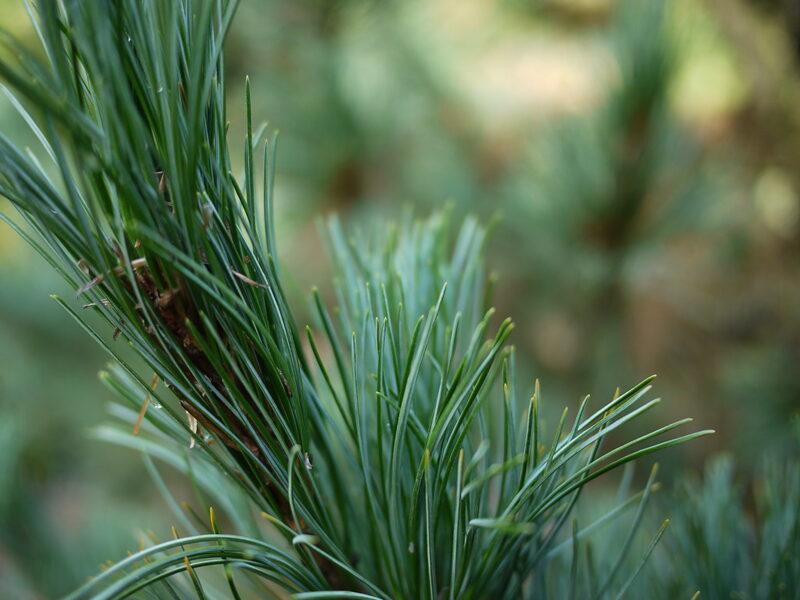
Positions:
{"x": 384, "y": 453}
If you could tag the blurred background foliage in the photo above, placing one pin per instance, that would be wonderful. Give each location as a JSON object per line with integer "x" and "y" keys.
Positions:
{"x": 639, "y": 158}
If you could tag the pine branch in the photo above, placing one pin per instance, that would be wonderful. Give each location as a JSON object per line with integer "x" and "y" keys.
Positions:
{"x": 401, "y": 462}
